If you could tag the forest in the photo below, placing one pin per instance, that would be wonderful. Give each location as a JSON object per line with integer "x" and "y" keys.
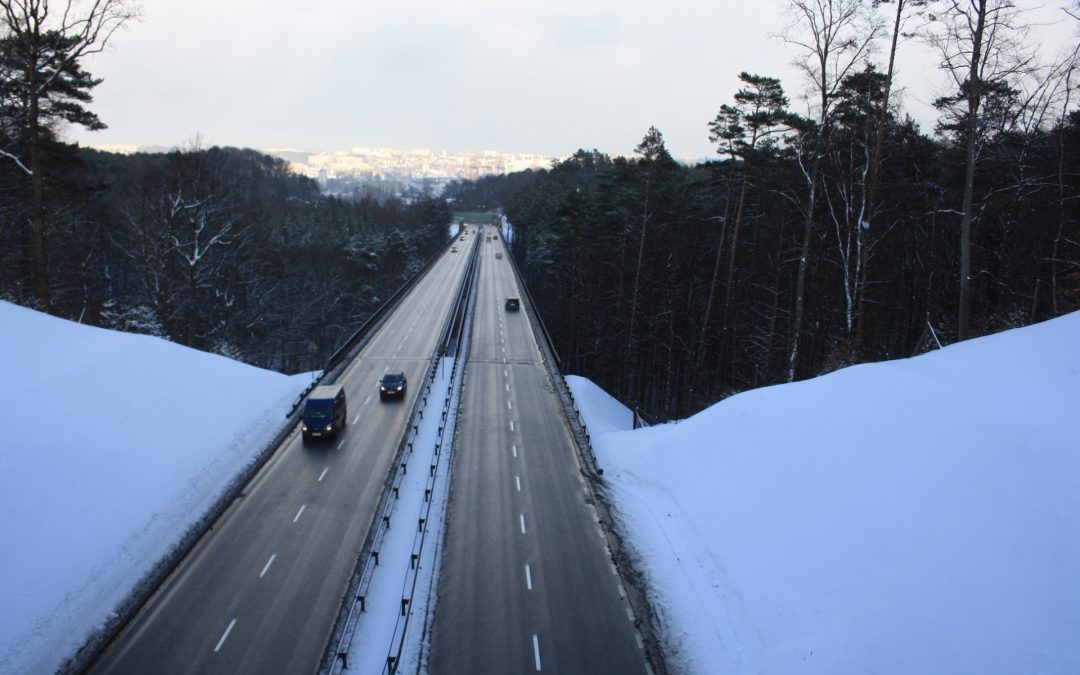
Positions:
{"x": 675, "y": 286}
{"x": 220, "y": 249}
{"x": 821, "y": 235}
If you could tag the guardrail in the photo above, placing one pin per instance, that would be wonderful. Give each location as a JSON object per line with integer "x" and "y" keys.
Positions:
{"x": 459, "y": 334}
{"x": 354, "y": 600}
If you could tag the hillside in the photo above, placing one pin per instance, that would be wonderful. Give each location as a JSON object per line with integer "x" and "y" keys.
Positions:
{"x": 113, "y": 445}
{"x": 912, "y": 516}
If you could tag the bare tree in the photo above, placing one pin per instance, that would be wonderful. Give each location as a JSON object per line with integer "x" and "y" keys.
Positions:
{"x": 832, "y": 38}
{"x": 983, "y": 47}
{"x": 42, "y": 50}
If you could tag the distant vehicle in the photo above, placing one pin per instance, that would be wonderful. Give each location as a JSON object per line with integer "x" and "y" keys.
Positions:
{"x": 513, "y": 304}
{"x": 453, "y": 249}
{"x": 461, "y": 238}
{"x": 324, "y": 412}
{"x": 489, "y": 237}
{"x": 498, "y": 254}
{"x": 392, "y": 384}
{"x": 495, "y": 235}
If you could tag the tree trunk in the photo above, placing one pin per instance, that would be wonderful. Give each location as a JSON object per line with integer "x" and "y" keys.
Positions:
{"x": 804, "y": 260}
{"x": 37, "y": 215}
{"x": 974, "y": 97}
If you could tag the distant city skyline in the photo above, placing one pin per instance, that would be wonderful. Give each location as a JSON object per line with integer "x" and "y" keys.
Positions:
{"x": 530, "y": 77}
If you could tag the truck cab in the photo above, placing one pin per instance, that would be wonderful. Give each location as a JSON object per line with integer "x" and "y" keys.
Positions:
{"x": 324, "y": 412}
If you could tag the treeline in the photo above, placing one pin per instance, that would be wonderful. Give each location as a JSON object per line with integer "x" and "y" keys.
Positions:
{"x": 674, "y": 286}
{"x": 218, "y": 248}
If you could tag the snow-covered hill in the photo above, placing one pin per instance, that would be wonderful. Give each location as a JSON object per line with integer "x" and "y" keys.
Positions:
{"x": 914, "y": 516}
{"x": 111, "y": 446}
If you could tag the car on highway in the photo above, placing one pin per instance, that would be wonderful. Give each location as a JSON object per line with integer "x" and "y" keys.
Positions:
{"x": 513, "y": 304}
{"x": 324, "y": 412}
{"x": 498, "y": 254}
{"x": 393, "y": 385}
{"x": 453, "y": 249}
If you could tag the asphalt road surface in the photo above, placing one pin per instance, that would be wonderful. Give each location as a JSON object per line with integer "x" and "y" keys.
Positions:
{"x": 526, "y": 584}
{"x": 260, "y": 592}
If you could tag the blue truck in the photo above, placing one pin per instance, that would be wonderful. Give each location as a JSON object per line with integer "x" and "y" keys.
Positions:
{"x": 324, "y": 412}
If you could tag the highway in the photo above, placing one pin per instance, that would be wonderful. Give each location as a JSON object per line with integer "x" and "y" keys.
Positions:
{"x": 526, "y": 583}
{"x": 260, "y": 592}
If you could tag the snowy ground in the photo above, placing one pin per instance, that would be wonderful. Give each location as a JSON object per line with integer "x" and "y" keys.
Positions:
{"x": 113, "y": 445}
{"x": 913, "y": 516}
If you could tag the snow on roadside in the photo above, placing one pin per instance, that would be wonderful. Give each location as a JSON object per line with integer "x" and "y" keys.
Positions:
{"x": 113, "y": 445}
{"x": 919, "y": 515}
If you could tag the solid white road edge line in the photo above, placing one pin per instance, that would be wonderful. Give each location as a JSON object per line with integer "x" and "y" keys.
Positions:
{"x": 225, "y": 635}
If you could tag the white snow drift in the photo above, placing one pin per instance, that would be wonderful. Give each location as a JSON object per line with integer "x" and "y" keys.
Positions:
{"x": 112, "y": 445}
{"x": 914, "y": 516}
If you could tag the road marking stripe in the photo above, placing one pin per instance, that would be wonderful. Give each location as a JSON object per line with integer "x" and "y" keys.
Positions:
{"x": 341, "y": 444}
{"x": 225, "y": 635}
{"x": 513, "y": 448}
{"x": 511, "y": 425}
{"x": 323, "y": 474}
{"x": 505, "y": 373}
{"x": 630, "y": 614}
{"x": 536, "y": 651}
{"x": 366, "y": 401}
{"x": 302, "y": 507}
{"x": 507, "y": 386}
{"x": 638, "y": 640}
{"x": 267, "y": 565}
{"x": 508, "y": 406}
{"x": 528, "y": 577}
{"x": 517, "y": 479}
{"x": 522, "y": 517}
{"x": 357, "y": 418}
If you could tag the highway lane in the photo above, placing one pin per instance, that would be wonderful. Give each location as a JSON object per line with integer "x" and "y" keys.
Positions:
{"x": 260, "y": 592}
{"x": 526, "y": 583}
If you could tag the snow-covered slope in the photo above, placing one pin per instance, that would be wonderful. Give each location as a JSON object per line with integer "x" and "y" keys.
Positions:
{"x": 914, "y": 516}
{"x": 111, "y": 446}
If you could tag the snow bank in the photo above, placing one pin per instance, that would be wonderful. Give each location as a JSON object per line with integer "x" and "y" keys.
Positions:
{"x": 913, "y": 516}
{"x": 113, "y": 445}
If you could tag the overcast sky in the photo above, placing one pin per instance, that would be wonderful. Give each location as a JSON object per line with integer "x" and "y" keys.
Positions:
{"x": 544, "y": 76}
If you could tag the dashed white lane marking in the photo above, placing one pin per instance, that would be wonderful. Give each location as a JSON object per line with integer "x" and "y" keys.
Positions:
{"x": 267, "y": 565}
{"x": 508, "y": 387}
{"x": 505, "y": 373}
{"x": 323, "y": 474}
{"x": 513, "y": 449}
{"x": 366, "y": 401}
{"x": 509, "y": 406}
{"x": 511, "y": 425}
{"x": 517, "y": 481}
{"x": 341, "y": 444}
{"x": 528, "y": 577}
{"x": 356, "y": 420}
{"x": 302, "y": 507}
{"x": 536, "y": 651}
{"x": 225, "y": 635}
{"x": 522, "y": 518}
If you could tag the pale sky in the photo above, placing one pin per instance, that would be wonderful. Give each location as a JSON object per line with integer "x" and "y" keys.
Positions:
{"x": 544, "y": 76}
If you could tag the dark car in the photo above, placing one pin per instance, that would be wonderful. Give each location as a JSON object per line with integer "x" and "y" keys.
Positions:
{"x": 453, "y": 249}
{"x": 324, "y": 412}
{"x": 392, "y": 385}
{"x": 513, "y": 304}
